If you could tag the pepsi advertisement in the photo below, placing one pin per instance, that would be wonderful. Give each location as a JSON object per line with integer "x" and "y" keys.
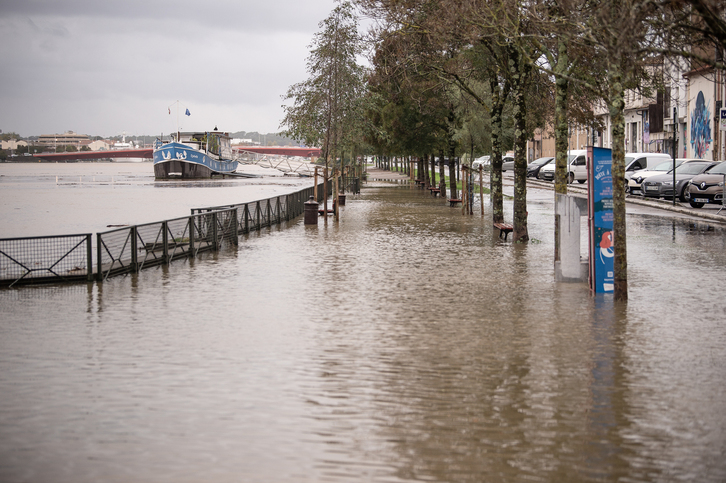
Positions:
{"x": 600, "y": 201}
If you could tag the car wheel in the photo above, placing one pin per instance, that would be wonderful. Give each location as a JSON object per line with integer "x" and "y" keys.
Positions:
{"x": 581, "y": 181}
{"x": 571, "y": 178}
{"x": 696, "y": 205}
{"x": 682, "y": 197}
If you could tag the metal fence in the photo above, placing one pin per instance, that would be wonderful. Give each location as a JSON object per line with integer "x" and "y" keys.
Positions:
{"x": 258, "y": 214}
{"x": 46, "y": 259}
{"x": 133, "y": 248}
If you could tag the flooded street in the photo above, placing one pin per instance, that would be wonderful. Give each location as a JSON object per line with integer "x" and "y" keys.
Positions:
{"x": 405, "y": 343}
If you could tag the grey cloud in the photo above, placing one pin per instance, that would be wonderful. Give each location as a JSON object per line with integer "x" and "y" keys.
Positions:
{"x": 103, "y": 68}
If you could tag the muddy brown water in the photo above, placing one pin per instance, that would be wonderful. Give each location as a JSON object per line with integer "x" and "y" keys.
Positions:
{"x": 405, "y": 343}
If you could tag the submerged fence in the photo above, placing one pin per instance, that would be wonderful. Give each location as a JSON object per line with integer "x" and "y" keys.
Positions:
{"x": 132, "y": 248}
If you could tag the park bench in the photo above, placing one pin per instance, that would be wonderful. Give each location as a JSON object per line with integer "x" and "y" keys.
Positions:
{"x": 453, "y": 202}
{"x": 504, "y": 228}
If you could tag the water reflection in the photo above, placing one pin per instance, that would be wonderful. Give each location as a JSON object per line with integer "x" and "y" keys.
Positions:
{"x": 405, "y": 343}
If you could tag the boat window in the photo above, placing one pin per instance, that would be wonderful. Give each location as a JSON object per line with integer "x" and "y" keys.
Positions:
{"x": 213, "y": 143}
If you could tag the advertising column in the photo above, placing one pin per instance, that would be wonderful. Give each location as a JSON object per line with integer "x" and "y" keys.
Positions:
{"x": 600, "y": 219}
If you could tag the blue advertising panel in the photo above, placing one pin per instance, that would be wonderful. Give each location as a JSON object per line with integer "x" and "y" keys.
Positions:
{"x": 600, "y": 201}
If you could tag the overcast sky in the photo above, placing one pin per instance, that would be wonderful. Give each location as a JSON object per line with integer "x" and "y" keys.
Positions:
{"x": 102, "y": 67}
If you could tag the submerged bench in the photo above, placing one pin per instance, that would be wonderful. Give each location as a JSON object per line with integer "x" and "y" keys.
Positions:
{"x": 504, "y": 228}
{"x": 453, "y": 202}
{"x": 434, "y": 190}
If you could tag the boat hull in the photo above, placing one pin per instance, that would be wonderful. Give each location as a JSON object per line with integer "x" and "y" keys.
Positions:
{"x": 178, "y": 161}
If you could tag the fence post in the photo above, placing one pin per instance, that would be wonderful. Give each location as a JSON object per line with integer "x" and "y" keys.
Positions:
{"x": 89, "y": 257}
{"x": 165, "y": 241}
{"x": 191, "y": 236}
{"x": 134, "y": 249}
{"x": 214, "y": 230}
{"x": 99, "y": 258}
{"x": 236, "y": 229}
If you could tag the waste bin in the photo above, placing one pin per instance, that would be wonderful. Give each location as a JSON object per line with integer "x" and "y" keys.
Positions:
{"x": 311, "y": 211}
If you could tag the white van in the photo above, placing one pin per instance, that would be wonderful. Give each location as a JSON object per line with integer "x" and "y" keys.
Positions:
{"x": 576, "y": 167}
{"x": 637, "y": 161}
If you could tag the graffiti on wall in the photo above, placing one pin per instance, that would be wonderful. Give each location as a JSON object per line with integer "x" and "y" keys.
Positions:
{"x": 646, "y": 133}
{"x": 700, "y": 127}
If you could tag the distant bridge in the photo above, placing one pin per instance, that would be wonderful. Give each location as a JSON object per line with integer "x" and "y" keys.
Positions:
{"x": 148, "y": 153}
{"x": 280, "y": 150}
{"x": 84, "y": 155}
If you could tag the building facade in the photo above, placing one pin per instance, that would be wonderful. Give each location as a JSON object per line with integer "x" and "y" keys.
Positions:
{"x": 69, "y": 138}
{"x": 696, "y": 96}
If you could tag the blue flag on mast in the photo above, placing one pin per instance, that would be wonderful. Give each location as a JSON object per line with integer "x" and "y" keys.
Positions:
{"x": 188, "y": 113}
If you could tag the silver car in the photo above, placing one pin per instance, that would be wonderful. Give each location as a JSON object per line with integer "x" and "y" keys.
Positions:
{"x": 507, "y": 163}
{"x": 707, "y": 188}
{"x": 661, "y": 185}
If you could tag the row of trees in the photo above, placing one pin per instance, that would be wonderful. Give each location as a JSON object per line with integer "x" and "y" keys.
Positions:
{"x": 452, "y": 76}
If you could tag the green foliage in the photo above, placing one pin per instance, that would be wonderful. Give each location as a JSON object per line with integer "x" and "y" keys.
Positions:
{"x": 326, "y": 108}
{"x": 7, "y": 136}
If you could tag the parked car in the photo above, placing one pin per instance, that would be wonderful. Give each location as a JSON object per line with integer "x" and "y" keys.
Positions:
{"x": 485, "y": 162}
{"x": 534, "y": 167}
{"x": 640, "y": 161}
{"x": 576, "y": 167}
{"x": 661, "y": 186}
{"x": 507, "y": 162}
{"x": 482, "y": 161}
{"x": 635, "y": 162}
{"x": 634, "y": 179}
{"x": 707, "y": 188}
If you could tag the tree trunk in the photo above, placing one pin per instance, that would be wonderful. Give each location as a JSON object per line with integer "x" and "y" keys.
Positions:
{"x": 520, "y": 70}
{"x": 442, "y": 177}
{"x": 617, "y": 107}
{"x": 464, "y": 192}
{"x": 325, "y": 192}
{"x": 424, "y": 176}
{"x": 520, "y": 232}
{"x": 452, "y": 172}
{"x": 433, "y": 171}
{"x": 495, "y": 162}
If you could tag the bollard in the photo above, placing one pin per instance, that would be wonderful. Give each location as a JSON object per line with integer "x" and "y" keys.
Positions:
{"x": 341, "y": 198}
{"x": 311, "y": 211}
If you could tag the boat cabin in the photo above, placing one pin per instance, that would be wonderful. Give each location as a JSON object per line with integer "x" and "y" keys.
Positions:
{"x": 213, "y": 143}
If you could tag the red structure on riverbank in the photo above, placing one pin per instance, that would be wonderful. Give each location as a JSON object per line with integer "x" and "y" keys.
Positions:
{"x": 148, "y": 153}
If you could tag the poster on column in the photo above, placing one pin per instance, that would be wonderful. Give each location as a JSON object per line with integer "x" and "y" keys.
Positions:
{"x": 600, "y": 202}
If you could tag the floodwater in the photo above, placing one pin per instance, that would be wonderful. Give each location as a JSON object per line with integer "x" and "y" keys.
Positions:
{"x": 41, "y": 199}
{"x": 405, "y": 343}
